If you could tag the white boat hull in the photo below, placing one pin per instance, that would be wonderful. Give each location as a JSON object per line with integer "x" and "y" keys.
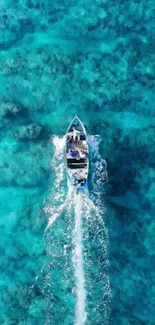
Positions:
{"x": 77, "y": 155}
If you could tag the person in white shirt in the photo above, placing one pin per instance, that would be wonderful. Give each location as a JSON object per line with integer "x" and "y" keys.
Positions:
{"x": 76, "y": 134}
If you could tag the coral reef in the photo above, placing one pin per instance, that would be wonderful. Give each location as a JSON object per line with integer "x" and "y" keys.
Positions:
{"x": 97, "y": 59}
{"x": 29, "y": 132}
{"x": 9, "y": 109}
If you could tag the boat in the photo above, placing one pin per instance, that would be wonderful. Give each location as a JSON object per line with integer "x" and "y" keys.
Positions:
{"x": 77, "y": 155}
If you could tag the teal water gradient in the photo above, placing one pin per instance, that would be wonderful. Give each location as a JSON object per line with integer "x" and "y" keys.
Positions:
{"x": 95, "y": 58}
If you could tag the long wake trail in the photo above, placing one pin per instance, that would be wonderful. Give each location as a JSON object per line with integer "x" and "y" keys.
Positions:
{"x": 76, "y": 281}
{"x": 78, "y": 261}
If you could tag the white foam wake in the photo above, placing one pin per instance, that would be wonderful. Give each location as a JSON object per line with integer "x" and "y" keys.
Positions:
{"x": 57, "y": 202}
{"x": 89, "y": 226}
{"x": 58, "y": 163}
{"x": 78, "y": 262}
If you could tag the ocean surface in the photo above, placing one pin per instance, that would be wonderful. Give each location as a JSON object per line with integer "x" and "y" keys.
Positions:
{"x": 65, "y": 258}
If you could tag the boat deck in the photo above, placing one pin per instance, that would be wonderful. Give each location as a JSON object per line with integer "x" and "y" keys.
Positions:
{"x": 78, "y": 146}
{"x": 77, "y": 154}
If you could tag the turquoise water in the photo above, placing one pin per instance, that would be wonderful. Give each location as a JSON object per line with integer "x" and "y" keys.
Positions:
{"x": 88, "y": 259}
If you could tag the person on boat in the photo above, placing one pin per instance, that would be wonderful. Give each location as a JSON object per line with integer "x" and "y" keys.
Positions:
{"x": 69, "y": 137}
{"x": 83, "y": 154}
{"x": 72, "y": 153}
{"x": 81, "y": 181}
{"x": 80, "y": 175}
{"x": 76, "y": 134}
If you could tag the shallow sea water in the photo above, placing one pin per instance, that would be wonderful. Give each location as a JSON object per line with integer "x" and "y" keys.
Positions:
{"x": 67, "y": 259}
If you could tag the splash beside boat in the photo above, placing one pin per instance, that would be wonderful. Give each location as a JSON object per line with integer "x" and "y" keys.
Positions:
{"x": 77, "y": 154}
